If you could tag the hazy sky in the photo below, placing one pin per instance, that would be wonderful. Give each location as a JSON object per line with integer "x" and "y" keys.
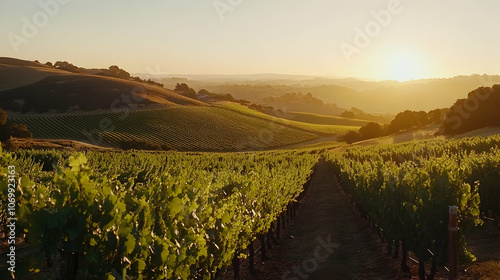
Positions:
{"x": 369, "y": 39}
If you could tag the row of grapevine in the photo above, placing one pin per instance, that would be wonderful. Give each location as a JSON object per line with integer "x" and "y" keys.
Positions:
{"x": 417, "y": 150}
{"x": 183, "y": 128}
{"x": 333, "y": 125}
{"x": 149, "y": 216}
{"x": 406, "y": 190}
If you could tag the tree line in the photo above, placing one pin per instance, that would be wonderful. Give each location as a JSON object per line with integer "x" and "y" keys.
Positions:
{"x": 112, "y": 71}
{"x": 402, "y": 121}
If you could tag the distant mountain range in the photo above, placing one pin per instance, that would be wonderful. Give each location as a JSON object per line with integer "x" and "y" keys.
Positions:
{"x": 109, "y": 107}
{"x": 27, "y": 86}
{"x": 370, "y": 96}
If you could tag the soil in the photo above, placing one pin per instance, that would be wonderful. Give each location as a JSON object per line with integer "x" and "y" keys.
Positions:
{"x": 355, "y": 253}
{"x": 325, "y": 213}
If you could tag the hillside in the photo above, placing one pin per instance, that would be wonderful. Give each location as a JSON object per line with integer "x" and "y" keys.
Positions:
{"x": 420, "y": 95}
{"x": 370, "y": 96}
{"x": 63, "y": 101}
{"x": 321, "y": 119}
{"x": 322, "y": 129}
{"x": 32, "y": 87}
{"x": 184, "y": 128}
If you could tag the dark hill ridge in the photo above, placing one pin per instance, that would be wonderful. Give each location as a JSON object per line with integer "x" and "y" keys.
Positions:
{"x": 32, "y": 87}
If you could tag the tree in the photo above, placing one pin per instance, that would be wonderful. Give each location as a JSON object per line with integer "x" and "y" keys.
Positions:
{"x": 3, "y": 117}
{"x": 435, "y": 116}
{"x": 479, "y": 110}
{"x": 119, "y": 73}
{"x": 64, "y": 65}
{"x": 406, "y": 120}
{"x": 181, "y": 87}
{"x": 348, "y": 114}
{"x": 370, "y": 130}
{"x": 421, "y": 118}
{"x": 185, "y": 90}
{"x": 203, "y": 92}
{"x": 19, "y": 131}
{"x": 350, "y": 137}
{"x": 14, "y": 130}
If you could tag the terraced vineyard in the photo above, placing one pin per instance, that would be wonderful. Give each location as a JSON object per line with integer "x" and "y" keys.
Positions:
{"x": 341, "y": 127}
{"x": 180, "y": 128}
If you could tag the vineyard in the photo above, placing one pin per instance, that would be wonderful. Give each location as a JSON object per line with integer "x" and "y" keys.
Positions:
{"x": 149, "y": 216}
{"x": 405, "y": 190}
{"x": 179, "y": 128}
{"x": 170, "y": 215}
{"x": 333, "y": 126}
{"x": 325, "y": 119}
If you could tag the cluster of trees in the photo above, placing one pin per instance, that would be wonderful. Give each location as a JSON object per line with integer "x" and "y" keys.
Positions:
{"x": 216, "y": 96}
{"x": 261, "y": 108}
{"x": 113, "y": 71}
{"x": 64, "y": 65}
{"x": 355, "y": 113}
{"x": 478, "y": 110}
{"x": 185, "y": 90}
{"x": 117, "y": 72}
{"x": 294, "y": 98}
{"x": 403, "y": 121}
{"x": 148, "y": 81}
{"x": 12, "y": 130}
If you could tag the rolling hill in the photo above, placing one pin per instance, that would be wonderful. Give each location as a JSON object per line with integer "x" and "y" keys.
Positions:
{"x": 87, "y": 105}
{"x": 370, "y": 96}
{"x": 322, "y": 119}
{"x": 32, "y": 87}
{"x": 321, "y": 129}
{"x": 183, "y": 128}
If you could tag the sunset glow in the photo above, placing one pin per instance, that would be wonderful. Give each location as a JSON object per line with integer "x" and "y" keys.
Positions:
{"x": 404, "y": 66}
{"x": 248, "y": 37}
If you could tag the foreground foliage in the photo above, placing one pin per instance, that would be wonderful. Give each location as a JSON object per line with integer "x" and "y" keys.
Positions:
{"x": 148, "y": 216}
{"x": 406, "y": 189}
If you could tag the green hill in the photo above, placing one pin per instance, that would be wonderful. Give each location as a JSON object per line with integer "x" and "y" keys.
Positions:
{"x": 188, "y": 128}
{"x": 67, "y": 102}
{"x": 323, "y": 129}
{"x": 323, "y": 119}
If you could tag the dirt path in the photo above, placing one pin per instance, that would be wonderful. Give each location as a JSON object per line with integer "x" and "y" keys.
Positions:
{"x": 326, "y": 240}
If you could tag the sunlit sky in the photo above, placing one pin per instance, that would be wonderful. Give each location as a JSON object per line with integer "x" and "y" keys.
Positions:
{"x": 421, "y": 39}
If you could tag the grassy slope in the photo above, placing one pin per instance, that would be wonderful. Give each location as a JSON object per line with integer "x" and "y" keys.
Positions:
{"x": 41, "y": 88}
{"x": 315, "y": 128}
{"x": 187, "y": 128}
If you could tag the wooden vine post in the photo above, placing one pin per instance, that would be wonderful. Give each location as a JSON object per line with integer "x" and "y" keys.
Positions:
{"x": 452, "y": 243}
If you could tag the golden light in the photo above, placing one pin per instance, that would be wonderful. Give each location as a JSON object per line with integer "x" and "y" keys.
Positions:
{"x": 404, "y": 66}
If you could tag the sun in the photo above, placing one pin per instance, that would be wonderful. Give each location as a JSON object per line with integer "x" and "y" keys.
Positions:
{"x": 404, "y": 66}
